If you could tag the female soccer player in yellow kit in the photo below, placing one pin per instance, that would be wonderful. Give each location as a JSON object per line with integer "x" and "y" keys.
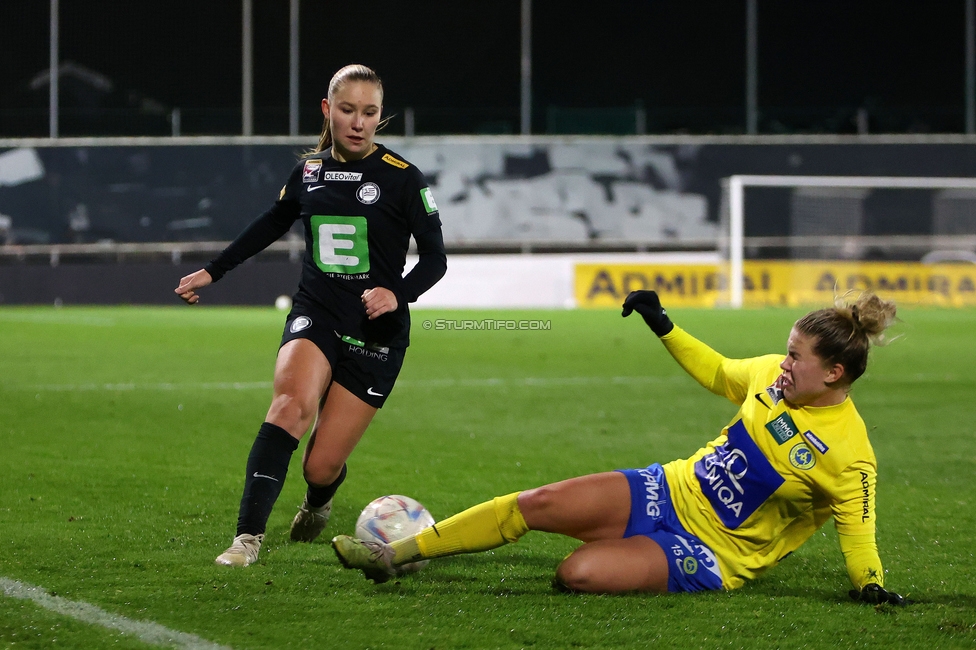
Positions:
{"x": 796, "y": 454}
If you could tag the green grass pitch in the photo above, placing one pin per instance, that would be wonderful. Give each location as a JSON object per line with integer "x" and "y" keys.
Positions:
{"x": 124, "y": 432}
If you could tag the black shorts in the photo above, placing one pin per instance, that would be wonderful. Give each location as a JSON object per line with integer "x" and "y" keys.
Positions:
{"x": 366, "y": 370}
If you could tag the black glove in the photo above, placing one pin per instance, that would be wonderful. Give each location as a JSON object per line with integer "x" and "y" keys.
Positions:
{"x": 876, "y": 595}
{"x": 648, "y": 305}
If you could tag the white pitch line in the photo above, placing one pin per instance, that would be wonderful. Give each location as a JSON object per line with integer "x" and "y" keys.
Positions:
{"x": 151, "y": 633}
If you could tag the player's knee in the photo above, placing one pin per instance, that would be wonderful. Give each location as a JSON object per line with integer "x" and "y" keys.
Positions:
{"x": 292, "y": 412}
{"x": 322, "y": 473}
{"x": 537, "y": 501}
{"x": 577, "y": 573}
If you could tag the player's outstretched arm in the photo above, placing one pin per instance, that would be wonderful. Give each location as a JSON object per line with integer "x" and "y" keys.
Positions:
{"x": 698, "y": 360}
{"x": 648, "y": 305}
{"x": 190, "y": 283}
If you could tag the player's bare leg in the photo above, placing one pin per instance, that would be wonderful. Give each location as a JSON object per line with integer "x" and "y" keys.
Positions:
{"x": 301, "y": 375}
{"x": 596, "y": 509}
{"x": 609, "y": 566}
{"x": 341, "y": 423}
{"x": 592, "y": 507}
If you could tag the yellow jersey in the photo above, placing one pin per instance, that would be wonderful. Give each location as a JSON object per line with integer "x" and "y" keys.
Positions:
{"x": 775, "y": 474}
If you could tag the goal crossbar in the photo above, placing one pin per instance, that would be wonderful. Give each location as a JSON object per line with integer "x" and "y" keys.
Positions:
{"x": 736, "y": 188}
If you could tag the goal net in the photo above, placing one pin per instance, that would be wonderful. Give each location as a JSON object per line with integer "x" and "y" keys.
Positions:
{"x": 850, "y": 221}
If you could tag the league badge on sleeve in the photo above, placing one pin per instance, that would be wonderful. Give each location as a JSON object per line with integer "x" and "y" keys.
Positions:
{"x": 312, "y": 170}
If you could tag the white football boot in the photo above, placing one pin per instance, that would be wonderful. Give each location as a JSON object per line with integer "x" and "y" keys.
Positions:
{"x": 310, "y": 522}
{"x": 242, "y": 552}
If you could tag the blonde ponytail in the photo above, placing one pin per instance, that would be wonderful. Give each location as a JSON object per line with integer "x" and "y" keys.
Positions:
{"x": 845, "y": 332}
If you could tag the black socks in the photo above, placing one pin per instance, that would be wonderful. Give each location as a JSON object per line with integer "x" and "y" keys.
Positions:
{"x": 319, "y": 495}
{"x": 267, "y": 466}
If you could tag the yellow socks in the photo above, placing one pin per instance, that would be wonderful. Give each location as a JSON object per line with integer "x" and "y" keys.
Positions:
{"x": 485, "y": 526}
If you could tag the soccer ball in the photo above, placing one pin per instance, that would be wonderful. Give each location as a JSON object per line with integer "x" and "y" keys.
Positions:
{"x": 282, "y": 303}
{"x": 393, "y": 517}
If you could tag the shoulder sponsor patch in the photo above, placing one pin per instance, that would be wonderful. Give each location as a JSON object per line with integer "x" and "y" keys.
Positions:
{"x": 428, "y": 199}
{"x": 387, "y": 158}
{"x": 312, "y": 170}
{"x": 816, "y": 442}
{"x": 782, "y": 428}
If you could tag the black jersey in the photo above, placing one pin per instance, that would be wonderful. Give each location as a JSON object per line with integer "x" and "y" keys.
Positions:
{"x": 358, "y": 218}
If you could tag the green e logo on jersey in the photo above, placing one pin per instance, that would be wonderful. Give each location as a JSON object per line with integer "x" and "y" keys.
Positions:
{"x": 339, "y": 244}
{"x": 428, "y": 200}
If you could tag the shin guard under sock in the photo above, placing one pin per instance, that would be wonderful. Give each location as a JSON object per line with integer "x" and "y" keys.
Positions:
{"x": 267, "y": 466}
{"x": 319, "y": 495}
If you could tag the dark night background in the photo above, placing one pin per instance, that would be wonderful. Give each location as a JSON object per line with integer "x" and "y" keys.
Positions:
{"x": 457, "y": 65}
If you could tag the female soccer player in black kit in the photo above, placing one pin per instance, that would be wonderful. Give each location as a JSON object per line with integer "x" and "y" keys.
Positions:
{"x": 345, "y": 338}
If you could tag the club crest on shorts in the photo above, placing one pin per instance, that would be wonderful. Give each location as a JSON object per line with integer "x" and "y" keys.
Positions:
{"x": 368, "y": 193}
{"x": 300, "y": 323}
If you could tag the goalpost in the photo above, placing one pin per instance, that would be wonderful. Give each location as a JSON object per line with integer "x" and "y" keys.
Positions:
{"x": 733, "y": 195}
